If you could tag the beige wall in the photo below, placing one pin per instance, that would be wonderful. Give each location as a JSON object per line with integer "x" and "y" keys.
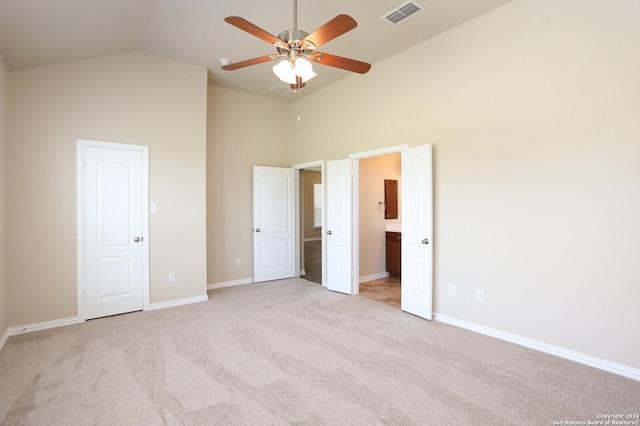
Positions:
{"x": 532, "y": 110}
{"x": 308, "y": 179}
{"x": 3, "y": 98}
{"x": 372, "y": 223}
{"x": 134, "y": 98}
{"x": 243, "y": 130}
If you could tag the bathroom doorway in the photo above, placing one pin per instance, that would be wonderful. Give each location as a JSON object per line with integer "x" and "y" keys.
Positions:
{"x": 378, "y": 232}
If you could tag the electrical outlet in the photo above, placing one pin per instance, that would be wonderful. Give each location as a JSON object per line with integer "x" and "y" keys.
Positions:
{"x": 452, "y": 290}
{"x": 172, "y": 277}
{"x": 238, "y": 261}
{"x": 480, "y": 296}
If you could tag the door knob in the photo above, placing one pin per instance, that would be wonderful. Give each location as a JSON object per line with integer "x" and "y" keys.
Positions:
{"x": 137, "y": 239}
{"x": 329, "y": 232}
{"x": 257, "y": 229}
{"x": 425, "y": 241}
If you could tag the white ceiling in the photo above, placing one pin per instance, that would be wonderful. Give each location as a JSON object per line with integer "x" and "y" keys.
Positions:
{"x": 42, "y": 32}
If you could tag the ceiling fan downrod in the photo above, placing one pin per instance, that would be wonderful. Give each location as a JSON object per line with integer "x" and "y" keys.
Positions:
{"x": 295, "y": 15}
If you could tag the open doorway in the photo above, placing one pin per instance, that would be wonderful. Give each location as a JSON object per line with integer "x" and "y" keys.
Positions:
{"x": 311, "y": 194}
{"x": 379, "y": 230}
{"x": 341, "y": 240}
{"x": 311, "y": 215}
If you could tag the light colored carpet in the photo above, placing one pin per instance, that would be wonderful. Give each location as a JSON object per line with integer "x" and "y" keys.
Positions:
{"x": 292, "y": 352}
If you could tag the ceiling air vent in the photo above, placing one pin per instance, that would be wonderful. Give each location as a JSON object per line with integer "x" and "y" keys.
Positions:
{"x": 281, "y": 90}
{"x": 402, "y": 12}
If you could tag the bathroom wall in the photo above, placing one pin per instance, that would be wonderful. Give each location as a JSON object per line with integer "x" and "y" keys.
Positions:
{"x": 372, "y": 173}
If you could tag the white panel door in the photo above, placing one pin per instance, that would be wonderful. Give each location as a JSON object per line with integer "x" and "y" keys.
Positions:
{"x": 273, "y": 223}
{"x": 113, "y": 231}
{"x": 417, "y": 232}
{"x": 339, "y": 226}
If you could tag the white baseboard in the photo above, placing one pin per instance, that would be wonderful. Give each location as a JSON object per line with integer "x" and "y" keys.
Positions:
{"x": 229, "y": 283}
{"x": 177, "y": 302}
{"x": 303, "y": 272}
{"x": 4, "y": 338}
{"x": 373, "y": 277}
{"x": 612, "y": 367}
{"x": 14, "y": 331}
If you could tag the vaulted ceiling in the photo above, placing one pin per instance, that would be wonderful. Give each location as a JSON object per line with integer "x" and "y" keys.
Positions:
{"x": 42, "y": 32}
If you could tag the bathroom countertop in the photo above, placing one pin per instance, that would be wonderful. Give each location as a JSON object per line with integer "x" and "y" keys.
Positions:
{"x": 394, "y": 227}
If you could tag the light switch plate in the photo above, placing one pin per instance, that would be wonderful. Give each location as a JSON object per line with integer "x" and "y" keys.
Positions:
{"x": 153, "y": 208}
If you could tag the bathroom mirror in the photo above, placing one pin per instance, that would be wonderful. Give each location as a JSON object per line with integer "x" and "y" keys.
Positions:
{"x": 391, "y": 198}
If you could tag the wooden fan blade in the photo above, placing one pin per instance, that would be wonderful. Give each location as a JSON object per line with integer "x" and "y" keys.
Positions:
{"x": 340, "y": 62}
{"x": 254, "y": 30}
{"x": 248, "y": 62}
{"x": 332, "y": 29}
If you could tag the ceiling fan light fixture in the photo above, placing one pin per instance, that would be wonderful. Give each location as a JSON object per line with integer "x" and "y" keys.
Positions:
{"x": 304, "y": 69}
{"x": 287, "y": 70}
{"x": 284, "y": 72}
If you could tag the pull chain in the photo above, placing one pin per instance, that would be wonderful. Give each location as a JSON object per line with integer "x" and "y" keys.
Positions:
{"x": 298, "y": 104}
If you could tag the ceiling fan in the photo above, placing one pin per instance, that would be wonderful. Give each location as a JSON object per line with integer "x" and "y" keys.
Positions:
{"x": 297, "y": 49}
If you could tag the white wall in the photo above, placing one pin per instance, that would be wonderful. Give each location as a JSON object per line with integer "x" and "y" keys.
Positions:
{"x": 3, "y": 123}
{"x": 134, "y": 98}
{"x": 532, "y": 110}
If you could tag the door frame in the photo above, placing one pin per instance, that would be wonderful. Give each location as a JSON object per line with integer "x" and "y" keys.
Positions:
{"x": 81, "y": 144}
{"x": 396, "y": 149}
{"x": 298, "y": 168}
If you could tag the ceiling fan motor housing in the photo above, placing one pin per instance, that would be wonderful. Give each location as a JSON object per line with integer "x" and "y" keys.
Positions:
{"x": 293, "y": 38}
